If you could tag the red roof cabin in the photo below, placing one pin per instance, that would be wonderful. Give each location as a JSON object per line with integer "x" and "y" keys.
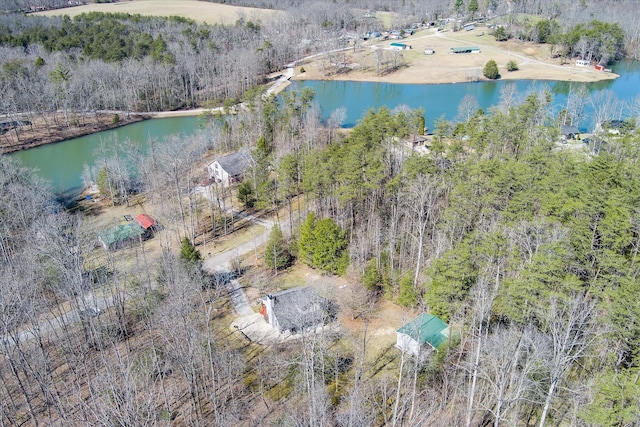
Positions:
{"x": 146, "y": 221}
{"x": 600, "y": 67}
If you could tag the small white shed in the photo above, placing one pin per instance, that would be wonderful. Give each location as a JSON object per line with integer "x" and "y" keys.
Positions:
{"x": 424, "y": 329}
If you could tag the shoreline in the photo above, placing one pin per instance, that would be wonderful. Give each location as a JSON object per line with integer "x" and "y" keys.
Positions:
{"x": 418, "y": 72}
{"x": 520, "y": 76}
{"x": 65, "y": 134}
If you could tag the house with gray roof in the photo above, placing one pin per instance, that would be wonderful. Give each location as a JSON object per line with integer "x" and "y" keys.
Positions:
{"x": 424, "y": 330}
{"x": 569, "y": 132}
{"x": 231, "y": 168}
{"x": 296, "y": 309}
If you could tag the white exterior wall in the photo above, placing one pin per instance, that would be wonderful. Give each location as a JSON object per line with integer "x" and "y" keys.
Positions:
{"x": 271, "y": 318}
{"x": 219, "y": 174}
{"x": 407, "y": 344}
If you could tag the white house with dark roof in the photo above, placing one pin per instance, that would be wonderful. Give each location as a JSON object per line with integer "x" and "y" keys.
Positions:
{"x": 230, "y": 169}
{"x": 296, "y": 309}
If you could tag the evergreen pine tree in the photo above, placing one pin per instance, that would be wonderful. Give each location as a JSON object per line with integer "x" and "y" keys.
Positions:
{"x": 306, "y": 243}
{"x": 331, "y": 243}
{"x": 276, "y": 254}
{"x": 371, "y": 279}
{"x": 188, "y": 251}
{"x": 491, "y": 70}
{"x": 408, "y": 296}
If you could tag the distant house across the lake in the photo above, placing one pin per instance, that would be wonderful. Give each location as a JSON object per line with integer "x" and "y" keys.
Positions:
{"x": 612, "y": 127}
{"x": 569, "y": 132}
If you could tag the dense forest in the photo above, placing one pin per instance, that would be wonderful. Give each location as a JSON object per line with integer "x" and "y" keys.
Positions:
{"x": 529, "y": 250}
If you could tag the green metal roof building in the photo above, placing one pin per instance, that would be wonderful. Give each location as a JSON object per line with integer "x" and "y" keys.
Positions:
{"x": 121, "y": 235}
{"x": 424, "y": 329}
{"x": 466, "y": 49}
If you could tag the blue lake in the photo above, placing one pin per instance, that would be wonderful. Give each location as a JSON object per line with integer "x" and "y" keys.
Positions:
{"x": 443, "y": 99}
{"x": 62, "y": 163}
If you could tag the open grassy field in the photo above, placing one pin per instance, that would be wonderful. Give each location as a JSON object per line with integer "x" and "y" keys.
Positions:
{"x": 199, "y": 11}
{"x": 534, "y": 60}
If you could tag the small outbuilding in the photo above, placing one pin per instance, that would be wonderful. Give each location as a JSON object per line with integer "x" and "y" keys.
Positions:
{"x": 296, "y": 309}
{"x": 426, "y": 329}
{"x": 146, "y": 221}
{"x": 582, "y": 63}
{"x": 466, "y": 49}
{"x": 230, "y": 169}
{"x": 121, "y": 235}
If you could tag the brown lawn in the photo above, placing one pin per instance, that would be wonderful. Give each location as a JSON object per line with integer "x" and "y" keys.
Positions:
{"x": 534, "y": 61}
{"x": 199, "y": 11}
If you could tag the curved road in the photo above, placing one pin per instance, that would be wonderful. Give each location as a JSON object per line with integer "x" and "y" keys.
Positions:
{"x": 221, "y": 263}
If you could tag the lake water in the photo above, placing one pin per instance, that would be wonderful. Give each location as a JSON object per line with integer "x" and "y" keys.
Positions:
{"x": 443, "y": 99}
{"x": 62, "y": 163}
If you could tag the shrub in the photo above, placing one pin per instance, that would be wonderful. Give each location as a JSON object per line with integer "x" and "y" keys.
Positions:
{"x": 491, "y": 70}
{"x": 501, "y": 34}
{"x": 276, "y": 255}
{"x": 512, "y": 66}
{"x": 246, "y": 194}
{"x": 302, "y": 70}
{"x": 188, "y": 251}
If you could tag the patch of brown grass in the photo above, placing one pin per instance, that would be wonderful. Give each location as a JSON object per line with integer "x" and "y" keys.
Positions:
{"x": 199, "y": 11}
{"x": 534, "y": 61}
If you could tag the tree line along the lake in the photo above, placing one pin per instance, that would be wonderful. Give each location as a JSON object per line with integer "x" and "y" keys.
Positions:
{"x": 117, "y": 62}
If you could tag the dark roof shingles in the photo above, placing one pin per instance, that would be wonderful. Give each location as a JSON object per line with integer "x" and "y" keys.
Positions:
{"x": 300, "y": 308}
{"x": 235, "y": 164}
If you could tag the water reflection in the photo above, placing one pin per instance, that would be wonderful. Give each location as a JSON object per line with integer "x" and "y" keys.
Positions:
{"x": 443, "y": 99}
